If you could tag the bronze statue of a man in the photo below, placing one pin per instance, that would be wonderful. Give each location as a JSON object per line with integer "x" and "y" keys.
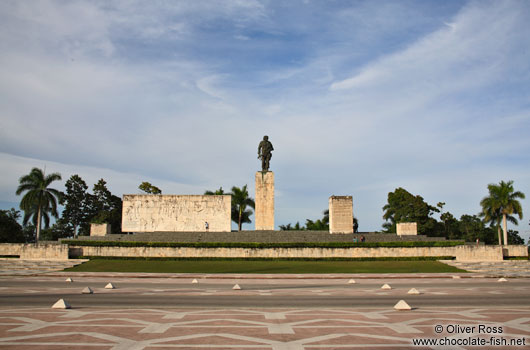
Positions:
{"x": 264, "y": 153}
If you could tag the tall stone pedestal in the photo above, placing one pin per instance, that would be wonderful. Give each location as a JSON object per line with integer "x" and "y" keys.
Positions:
{"x": 340, "y": 214}
{"x": 264, "y": 201}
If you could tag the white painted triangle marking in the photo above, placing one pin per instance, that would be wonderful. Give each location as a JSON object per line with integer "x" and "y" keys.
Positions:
{"x": 110, "y": 286}
{"x": 385, "y": 286}
{"x": 352, "y": 281}
{"x": 413, "y": 291}
{"x": 502, "y": 279}
{"x": 69, "y": 279}
{"x": 236, "y": 287}
{"x": 194, "y": 281}
{"x": 87, "y": 290}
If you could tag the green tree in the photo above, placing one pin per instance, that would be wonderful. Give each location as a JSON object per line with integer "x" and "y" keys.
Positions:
{"x": 148, "y": 188}
{"x": 31, "y": 215}
{"x": 218, "y": 192}
{"x": 105, "y": 207}
{"x": 10, "y": 230}
{"x": 503, "y": 199}
{"x": 76, "y": 205}
{"x": 355, "y": 224}
{"x": 290, "y": 227}
{"x": 240, "y": 202}
{"x": 492, "y": 215}
{"x": 471, "y": 228}
{"x": 402, "y": 206}
{"x": 514, "y": 238}
{"x": 38, "y": 198}
{"x": 58, "y": 230}
{"x": 319, "y": 224}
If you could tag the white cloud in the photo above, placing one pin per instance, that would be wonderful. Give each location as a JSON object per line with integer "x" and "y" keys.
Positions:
{"x": 172, "y": 95}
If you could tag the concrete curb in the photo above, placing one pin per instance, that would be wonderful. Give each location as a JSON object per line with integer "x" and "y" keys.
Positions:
{"x": 262, "y": 276}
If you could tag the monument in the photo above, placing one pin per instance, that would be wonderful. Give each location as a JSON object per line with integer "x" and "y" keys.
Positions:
{"x": 340, "y": 214}
{"x": 176, "y": 213}
{"x": 265, "y": 188}
{"x": 407, "y": 229}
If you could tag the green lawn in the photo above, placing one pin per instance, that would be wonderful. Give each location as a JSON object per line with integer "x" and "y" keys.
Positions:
{"x": 261, "y": 266}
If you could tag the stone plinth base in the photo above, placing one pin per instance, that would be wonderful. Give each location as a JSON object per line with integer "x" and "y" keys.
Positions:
{"x": 99, "y": 229}
{"x": 340, "y": 214}
{"x": 264, "y": 201}
{"x": 407, "y": 229}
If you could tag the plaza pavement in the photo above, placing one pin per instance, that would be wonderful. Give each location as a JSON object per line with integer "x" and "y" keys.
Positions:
{"x": 279, "y": 312}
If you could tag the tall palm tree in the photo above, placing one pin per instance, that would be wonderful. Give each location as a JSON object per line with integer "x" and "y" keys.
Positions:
{"x": 240, "y": 202}
{"x": 503, "y": 201}
{"x": 491, "y": 215}
{"x": 38, "y": 197}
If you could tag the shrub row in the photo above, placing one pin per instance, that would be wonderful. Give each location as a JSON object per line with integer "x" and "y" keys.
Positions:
{"x": 262, "y": 245}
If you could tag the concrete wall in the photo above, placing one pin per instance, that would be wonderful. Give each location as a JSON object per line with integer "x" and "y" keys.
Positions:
{"x": 62, "y": 251}
{"x": 462, "y": 253}
{"x": 175, "y": 213}
{"x": 31, "y": 251}
{"x": 340, "y": 214}
{"x": 407, "y": 229}
{"x": 515, "y": 250}
{"x": 99, "y": 229}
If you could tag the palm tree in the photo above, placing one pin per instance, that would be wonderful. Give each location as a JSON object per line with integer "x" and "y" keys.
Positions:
{"x": 31, "y": 214}
{"x": 491, "y": 213}
{"x": 493, "y": 216}
{"x": 502, "y": 202}
{"x": 240, "y": 201}
{"x": 39, "y": 198}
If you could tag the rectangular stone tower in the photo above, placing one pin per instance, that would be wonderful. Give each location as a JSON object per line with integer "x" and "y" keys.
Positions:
{"x": 264, "y": 201}
{"x": 340, "y": 214}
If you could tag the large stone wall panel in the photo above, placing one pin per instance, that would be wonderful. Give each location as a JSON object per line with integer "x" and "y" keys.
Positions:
{"x": 176, "y": 213}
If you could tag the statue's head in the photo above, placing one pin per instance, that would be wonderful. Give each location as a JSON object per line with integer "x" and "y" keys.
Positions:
{"x": 265, "y": 138}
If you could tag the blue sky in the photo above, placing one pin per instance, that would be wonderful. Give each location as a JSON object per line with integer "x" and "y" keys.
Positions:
{"x": 358, "y": 98}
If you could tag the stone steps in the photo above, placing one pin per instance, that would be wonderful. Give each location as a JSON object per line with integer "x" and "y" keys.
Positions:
{"x": 17, "y": 266}
{"x": 259, "y": 236}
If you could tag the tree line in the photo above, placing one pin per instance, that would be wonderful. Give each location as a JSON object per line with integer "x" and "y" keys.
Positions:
{"x": 500, "y": 206}
{"x": 316, "y": 225}
{"x": 39, "y": 203}
{"x": 81, "y": 208}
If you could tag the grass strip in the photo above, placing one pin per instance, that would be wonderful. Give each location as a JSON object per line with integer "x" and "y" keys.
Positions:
{"x": 390, "y": 258}
{"x": 263, "y": 267}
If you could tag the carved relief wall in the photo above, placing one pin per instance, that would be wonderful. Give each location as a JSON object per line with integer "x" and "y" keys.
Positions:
{"x": 172, "y": 213}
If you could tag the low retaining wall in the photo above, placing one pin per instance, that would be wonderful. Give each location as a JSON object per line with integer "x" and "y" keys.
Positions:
{"x": 63, "y": 251}
{"x": 32, "y": 251}
{"x": 515, "y": 250}
{"x": 462, "y": 253}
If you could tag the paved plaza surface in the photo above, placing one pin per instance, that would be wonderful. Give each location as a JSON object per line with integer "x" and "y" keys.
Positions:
{"x": 168, "y": 311}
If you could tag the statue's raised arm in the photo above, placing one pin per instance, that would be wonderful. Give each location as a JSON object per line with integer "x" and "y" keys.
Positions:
{"x": 264, "y": 153}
